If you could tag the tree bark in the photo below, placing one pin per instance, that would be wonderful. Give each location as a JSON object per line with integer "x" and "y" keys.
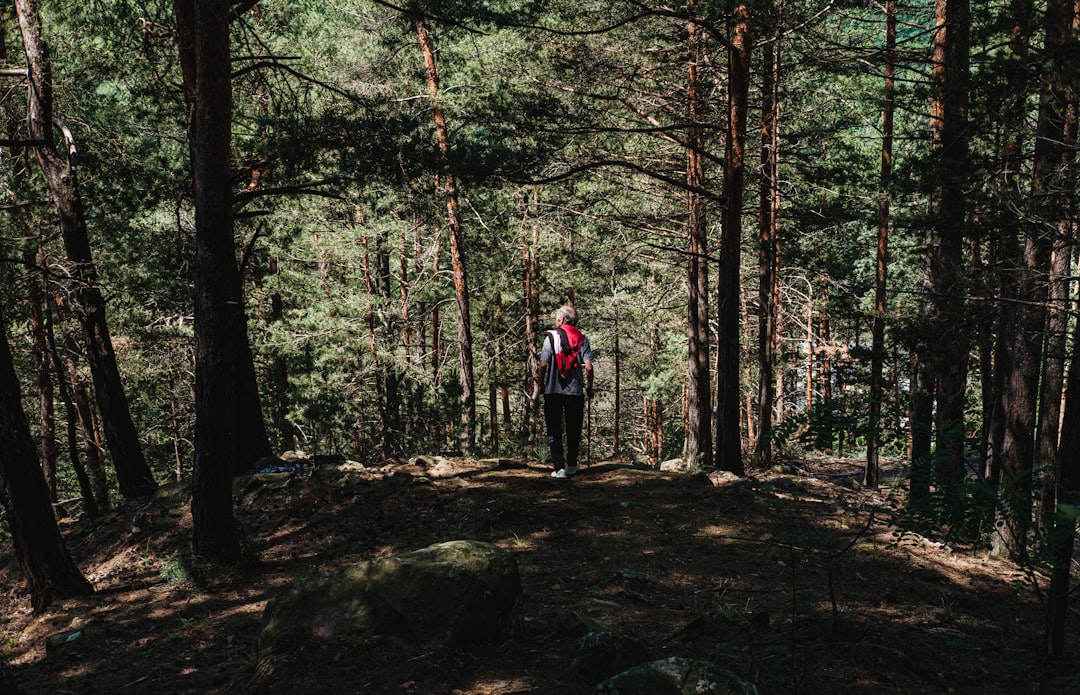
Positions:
{"x": 49, "y": 569}
{"x": 530, "y": 264}
{"x": 91, "y": 442}
{"x": 881, "y": 264}
{"x": 229, "y": 430}
{"x": 1068, "y": 499}
{"x": 949, "y": 147}
{"x": 86, "y": 488}
{"x": 467, "y": 434}
{"x": 768, "y": 252}
{"x": 46, "y": 392}
{"x": 132, "y": 472}
{"x": 697, "y": 451}
{"x": 728, "y": 431}
{"x": 1049, "y": 197}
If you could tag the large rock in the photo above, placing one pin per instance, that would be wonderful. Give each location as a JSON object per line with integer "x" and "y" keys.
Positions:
{"x": 603, "y": 654}
{"x": 459, "y": 591}
{"x": 675, "y": 676}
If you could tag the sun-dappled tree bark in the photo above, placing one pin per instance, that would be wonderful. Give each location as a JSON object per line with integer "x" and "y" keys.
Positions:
{"x": 728, "y": 431}
{"x": 467, "y": 433}
{"x": 50, "y": 572}
{"x": 698, "y": 448}
{"x": 132, "y": 472}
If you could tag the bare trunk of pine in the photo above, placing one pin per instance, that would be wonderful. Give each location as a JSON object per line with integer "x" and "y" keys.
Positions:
{"x": 86, "y": 488}
{"x": 230, "y": 433}
{"x": 467, "y": 434}
{"x": 877, "y": 350}
{"x": 1064, "y": 531}
{"x": 1052, "y": 385}
{"x": 768, "y": 253}
{"x": 951, "y": 269}
{"x": 728, "y": 434}
{"x": 132, "y": 472}
{"x": 279, "y": 369}
{"x": 697, "y": 451}
{"x": 50, "y": 572}
{"x": 46, "y": 393}
{"x": 91, "y": 442}
{"x": 531, "y": 290}
{"x": 1051, "y": 181}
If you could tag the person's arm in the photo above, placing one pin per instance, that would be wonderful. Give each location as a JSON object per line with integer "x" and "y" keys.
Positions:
{"x": 541, "y": 381}
{"x": 588, "y": 379}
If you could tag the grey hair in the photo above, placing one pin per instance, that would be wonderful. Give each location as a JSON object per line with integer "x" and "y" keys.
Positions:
{"x": 567, "y": 314}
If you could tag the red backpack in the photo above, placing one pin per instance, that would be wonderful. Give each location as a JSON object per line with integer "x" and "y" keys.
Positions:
{"x": 567, "y": 350}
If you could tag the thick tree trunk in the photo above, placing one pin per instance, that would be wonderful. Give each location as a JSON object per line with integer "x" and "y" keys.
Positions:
{"x": 1050, "y": 202}
{"x": 1006, "y": 247}
{"x": 467, "y": 434}
{"x": 230, "y": 433}
{"x": 697, "y": 451}
{"x": 881, "y": 263}
{"x": 49, "y": 569}
{"x": 949, "y": 147}
{"x": 768, "y": 252}
{"x": 132, "y": 472}
{"x": 728, "y": 432}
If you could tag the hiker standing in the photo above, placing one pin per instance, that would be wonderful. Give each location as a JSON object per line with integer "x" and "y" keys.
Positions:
{"x": 566, "y": 386}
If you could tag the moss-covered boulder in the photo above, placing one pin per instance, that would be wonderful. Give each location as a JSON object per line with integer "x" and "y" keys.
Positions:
{"x": 459, "y": 591}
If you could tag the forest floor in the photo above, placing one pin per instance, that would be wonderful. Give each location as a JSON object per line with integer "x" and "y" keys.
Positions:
{"x": 798, "y": 581}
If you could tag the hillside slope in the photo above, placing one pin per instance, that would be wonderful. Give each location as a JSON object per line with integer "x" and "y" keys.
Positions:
{"x": 797, "y": 581}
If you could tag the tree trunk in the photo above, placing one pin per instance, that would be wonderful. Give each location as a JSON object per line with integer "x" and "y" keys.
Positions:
{"x": 279, "y": 369}
{"x": 467, "y": 434}
{"x": 877, "y": 349}
{"x": 91, "y": 442}
{"x": 949, "y": 134}
{"x": 1006, "y": 246}
{"x": 697, "y": 451}
{"x": 132, "y": 472}
{"x": 230, "y": 433}
{"x": 728, "y": 434}
{"x": 768, "y": 252}
{"x": 1046, "y": 441}
{"x": 1068, "y": 498}
{"x": 49, "y": 569}
{"x": 86, "y": 488}
{"x": 531, "y": 291}
{"x": 42, "y": 361}
{"x": 1050, "y": 203}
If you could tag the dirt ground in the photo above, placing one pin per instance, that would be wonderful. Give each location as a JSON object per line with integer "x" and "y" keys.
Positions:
{"x": 799, "y": 581}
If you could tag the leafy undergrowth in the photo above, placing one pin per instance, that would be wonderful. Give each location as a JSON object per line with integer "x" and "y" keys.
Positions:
{"x": 799, "y": 582}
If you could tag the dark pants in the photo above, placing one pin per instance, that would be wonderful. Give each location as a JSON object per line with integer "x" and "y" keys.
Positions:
{"x": 556, "y": 407}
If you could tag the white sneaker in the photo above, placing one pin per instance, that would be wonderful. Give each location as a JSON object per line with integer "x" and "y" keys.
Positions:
{"x": 561, "y": 473}
{"x": 572, "y": 470}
